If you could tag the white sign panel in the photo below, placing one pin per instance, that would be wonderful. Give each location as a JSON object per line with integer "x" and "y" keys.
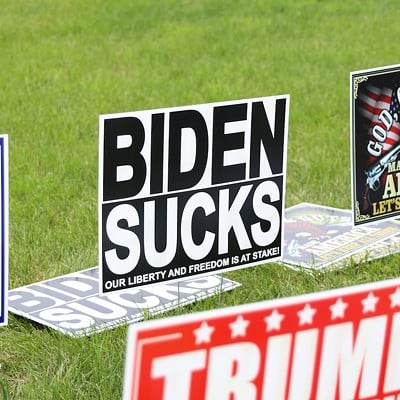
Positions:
{"x": 72, "y": 304}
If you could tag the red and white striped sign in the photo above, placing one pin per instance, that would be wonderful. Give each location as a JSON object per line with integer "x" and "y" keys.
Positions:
{"x": 341, "y": 344}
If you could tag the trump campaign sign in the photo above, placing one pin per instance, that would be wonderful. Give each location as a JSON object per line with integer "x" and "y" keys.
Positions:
{"x": 191, "y": 190}
{"x": 342, "y": 344}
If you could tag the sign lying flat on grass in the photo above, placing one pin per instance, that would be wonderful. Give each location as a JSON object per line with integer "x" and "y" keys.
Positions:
{"x": 318, "y": 237}
{"x": 337, "y": 345}
{"x": 72, "y": 304}
{"x": 191, "y": 190}
{"x": 3, "y": 229}
{"x": 375, "y": 138}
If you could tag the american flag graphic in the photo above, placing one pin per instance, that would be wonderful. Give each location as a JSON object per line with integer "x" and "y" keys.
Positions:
{"x": 372, "y": 102}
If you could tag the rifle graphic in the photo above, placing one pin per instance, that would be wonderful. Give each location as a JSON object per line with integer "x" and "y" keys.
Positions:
{"x": 375, "y": 171}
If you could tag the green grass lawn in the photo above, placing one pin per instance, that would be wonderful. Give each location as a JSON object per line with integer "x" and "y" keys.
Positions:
{"x": 63, "y": 63}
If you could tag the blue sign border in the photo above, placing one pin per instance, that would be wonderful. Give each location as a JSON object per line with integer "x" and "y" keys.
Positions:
{"x": 4, "y": 229}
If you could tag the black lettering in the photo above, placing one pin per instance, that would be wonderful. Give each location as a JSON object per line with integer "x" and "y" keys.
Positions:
{"x": 157, "y": 153}
{"x": 126, "y": 157}
{"x": 179, "y": 120}
{"x": 224, "y": 142}
{"x": 261, "y": 134}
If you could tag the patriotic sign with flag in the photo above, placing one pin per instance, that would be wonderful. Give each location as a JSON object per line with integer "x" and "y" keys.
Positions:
{"x": 371, "y": 104}
{"x": 375, "y": 131}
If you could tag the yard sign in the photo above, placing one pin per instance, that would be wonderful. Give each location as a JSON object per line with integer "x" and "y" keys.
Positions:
{"x": 336, "y": 345}
{"x": 191, "y": 190}
{"x": 72, "y": 304}
{"x": 375, "y": 138}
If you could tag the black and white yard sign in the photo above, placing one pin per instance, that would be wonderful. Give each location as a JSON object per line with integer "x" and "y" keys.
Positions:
{"x": 191, "y": 190}
{"x": 72, "y": 304}
{"x": 3, "y": 229}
